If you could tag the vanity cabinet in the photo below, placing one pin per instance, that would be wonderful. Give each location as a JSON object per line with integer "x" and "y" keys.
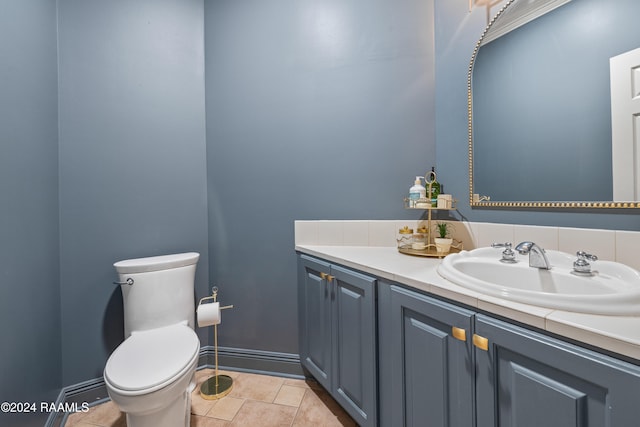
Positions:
{"x": 426, "y": 360}
{"x": 492, "y": 374}
{"x": 527, "y": 379}
{"x": 338, "y": 334}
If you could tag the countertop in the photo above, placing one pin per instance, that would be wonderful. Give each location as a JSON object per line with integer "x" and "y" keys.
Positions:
{"x": 617, "y": 334}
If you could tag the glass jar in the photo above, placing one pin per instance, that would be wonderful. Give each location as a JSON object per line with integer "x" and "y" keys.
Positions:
{"x": 405, "y": 237}
{"x": 419, "y": 241}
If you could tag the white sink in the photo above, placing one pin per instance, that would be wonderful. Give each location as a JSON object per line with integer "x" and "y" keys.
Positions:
{"x": 613, "y": 289}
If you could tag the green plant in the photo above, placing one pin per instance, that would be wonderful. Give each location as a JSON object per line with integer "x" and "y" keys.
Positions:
{"x": 443, "y": 229}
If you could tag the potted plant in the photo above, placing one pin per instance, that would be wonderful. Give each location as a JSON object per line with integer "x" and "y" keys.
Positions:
{"x": 443, "y": 241}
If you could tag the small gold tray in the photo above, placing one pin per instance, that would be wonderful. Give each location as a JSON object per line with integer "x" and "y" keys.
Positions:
{"x": 430, "y": 251}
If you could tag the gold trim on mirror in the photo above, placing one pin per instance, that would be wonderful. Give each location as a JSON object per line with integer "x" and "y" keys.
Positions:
{"x": 520, "y": 204}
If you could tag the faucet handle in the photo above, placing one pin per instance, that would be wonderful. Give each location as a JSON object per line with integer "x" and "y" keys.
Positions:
{"x": 582, "y": 255}
{"x": 502, "y": 245}
{"x": 508, "y": 256}
{"x": 581, "y": 265}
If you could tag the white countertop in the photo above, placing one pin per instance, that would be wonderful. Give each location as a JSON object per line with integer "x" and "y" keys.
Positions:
{"x": 618, "y": 334}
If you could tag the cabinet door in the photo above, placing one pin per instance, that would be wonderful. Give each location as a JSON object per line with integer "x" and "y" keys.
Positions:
{"x": 428, "y": 372}
{"x": 314, "y": 305}
{"x": 526, "y": 379}
{"x": 354, "y": 332}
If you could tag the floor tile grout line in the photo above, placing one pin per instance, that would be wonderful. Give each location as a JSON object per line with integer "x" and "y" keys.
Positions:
{"x": 238, "y": 411}
{"x": 278, "y": 392}
{"x": 293, "y": 421}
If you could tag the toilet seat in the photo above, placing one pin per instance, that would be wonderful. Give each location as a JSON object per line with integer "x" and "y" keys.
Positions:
{"x": 150, "y": 360}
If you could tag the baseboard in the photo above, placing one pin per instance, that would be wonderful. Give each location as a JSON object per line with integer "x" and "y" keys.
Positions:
{"x": 255, "y": 361}
{"x": 94, "y": 392}
{"x": 77, "y": 397}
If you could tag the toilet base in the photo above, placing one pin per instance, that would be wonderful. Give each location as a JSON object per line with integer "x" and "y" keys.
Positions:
{"x": 178, "y": 413}
{"x": 167, "y": 407}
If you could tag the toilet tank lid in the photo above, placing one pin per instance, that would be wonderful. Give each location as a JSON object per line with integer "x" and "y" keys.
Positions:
{"x": 156, "y": 263}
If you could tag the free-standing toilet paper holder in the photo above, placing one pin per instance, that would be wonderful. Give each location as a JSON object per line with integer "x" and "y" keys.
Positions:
{"x": 218, "y": 385}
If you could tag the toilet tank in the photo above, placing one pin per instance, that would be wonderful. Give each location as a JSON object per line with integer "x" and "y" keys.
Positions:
{"x": 162, "y": 292}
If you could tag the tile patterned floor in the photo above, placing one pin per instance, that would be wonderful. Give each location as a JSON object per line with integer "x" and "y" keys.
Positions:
{"x": 255, "y": 400}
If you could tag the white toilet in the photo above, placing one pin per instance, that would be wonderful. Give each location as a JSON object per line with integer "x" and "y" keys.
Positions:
{"x": 150, "y": 375}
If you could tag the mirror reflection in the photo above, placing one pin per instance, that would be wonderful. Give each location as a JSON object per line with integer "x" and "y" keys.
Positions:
{"x": 541, "y": 99}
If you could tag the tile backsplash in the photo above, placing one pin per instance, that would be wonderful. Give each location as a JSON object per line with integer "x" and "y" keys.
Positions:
{"x": 611, "y": 245}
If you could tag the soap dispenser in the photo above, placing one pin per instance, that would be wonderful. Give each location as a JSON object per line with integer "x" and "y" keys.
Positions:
{"x": 418, "y": 191}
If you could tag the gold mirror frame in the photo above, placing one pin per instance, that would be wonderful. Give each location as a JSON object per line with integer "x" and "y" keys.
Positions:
{"x": 507, "y": 204}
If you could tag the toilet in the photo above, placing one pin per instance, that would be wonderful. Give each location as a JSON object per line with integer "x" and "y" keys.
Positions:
{"x": 150, "y": 375}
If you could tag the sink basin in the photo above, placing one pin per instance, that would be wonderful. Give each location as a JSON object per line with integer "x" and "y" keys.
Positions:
{"x": 613, "y": 289}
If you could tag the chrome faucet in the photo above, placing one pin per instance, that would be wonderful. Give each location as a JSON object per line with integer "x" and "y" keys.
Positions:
{"x": 537, "y": 256}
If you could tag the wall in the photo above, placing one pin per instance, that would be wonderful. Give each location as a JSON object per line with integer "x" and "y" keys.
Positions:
{"x": 132, "y": 158}
{"x": 457, "y": 32}
{"x": 29, "y": 280}
{"x": 315, "y": 109}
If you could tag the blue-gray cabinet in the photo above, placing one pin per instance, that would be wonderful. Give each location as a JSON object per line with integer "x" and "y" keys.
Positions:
{"x": 494, "y": 374}
{"x": 337, "y": 309}
{"x": 426, "y": 360}
{"x": 527, "y": 379}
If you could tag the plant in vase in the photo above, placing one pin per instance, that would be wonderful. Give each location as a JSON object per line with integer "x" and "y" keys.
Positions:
{"x": 443, "y": 241}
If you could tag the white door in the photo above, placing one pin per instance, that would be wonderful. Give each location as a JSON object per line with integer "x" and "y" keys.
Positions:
{"x": 625, "y": 125}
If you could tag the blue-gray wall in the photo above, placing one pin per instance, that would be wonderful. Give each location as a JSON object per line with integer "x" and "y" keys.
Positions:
{"x": 315, "y": 110}
{"x": 132, "y": 158}
{"x": 30, "y": 368}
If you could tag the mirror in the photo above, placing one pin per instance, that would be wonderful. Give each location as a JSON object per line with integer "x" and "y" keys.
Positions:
{"x": 540, "y": 127}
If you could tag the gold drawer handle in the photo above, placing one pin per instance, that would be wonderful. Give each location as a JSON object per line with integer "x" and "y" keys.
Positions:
{"x": 481, "y": 342}
{"x": 330, "y": 277}
{"x": 458, "y": 333}
{"x": 323, "y": 276}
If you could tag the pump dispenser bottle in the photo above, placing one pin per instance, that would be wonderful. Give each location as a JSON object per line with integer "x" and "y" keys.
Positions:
{"x": 418, "y": 191}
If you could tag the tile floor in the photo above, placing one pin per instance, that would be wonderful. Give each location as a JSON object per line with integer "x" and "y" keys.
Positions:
{"x": 255, "y": 400}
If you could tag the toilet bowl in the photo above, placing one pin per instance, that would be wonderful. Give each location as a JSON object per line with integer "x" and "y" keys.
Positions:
{"x": 150, "y": 375}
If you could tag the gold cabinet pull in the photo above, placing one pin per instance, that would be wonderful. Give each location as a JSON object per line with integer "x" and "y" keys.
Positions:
{"x": 459, "y": 333}
{"x": 325, "y": 276}
{"x": 481, "y": 342}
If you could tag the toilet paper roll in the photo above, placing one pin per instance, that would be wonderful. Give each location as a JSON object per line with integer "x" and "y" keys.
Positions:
{"x": 208, "y": 314}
